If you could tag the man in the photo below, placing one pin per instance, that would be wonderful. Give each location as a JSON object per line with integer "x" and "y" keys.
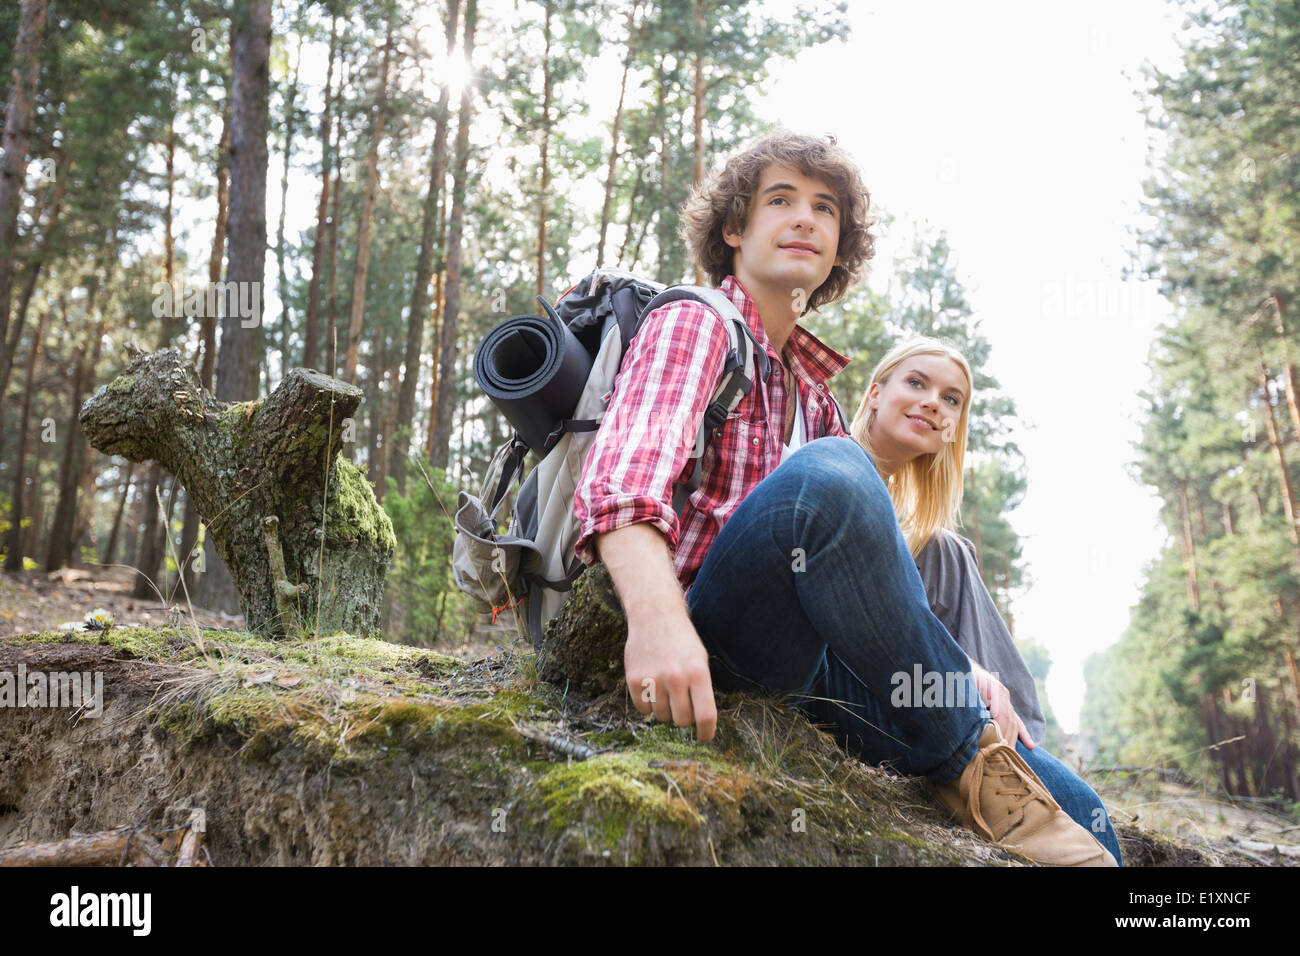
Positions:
{"x": 798, "y": 579}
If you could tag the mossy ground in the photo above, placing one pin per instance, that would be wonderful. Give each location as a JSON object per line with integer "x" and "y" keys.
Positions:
{"x": 446, "y": 760}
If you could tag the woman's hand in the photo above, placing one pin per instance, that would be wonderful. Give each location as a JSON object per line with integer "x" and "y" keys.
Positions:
{"x": 998, "y": 699}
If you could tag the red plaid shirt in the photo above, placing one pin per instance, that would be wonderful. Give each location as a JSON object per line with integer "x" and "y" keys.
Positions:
{"x": 663, "y": 388}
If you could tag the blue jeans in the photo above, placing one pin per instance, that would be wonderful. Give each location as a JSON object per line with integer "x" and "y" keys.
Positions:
{"x": 810, "y": 590}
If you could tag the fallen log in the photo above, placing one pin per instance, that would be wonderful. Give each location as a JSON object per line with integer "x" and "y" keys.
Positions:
{"x": 296, "y": 523}
{"x": 107, "y": 848}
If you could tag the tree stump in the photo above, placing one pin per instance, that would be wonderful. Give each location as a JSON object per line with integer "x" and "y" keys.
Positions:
{"x": 582, "y": 646}
{"x": 307, "y": 544}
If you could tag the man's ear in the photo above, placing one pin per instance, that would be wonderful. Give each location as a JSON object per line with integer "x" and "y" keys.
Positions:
{"x": 730, "y": 236}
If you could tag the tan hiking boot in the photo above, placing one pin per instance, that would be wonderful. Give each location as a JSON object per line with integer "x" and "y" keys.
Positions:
{"x": 1001, "y": 798}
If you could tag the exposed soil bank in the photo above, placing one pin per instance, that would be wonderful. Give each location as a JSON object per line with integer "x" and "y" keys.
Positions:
{"x": 359, "y": 752}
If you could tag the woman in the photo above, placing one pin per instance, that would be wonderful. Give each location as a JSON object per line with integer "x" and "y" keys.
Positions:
{"x": 912, "y": 422}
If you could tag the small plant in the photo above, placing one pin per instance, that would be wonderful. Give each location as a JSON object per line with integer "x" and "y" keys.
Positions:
{"x": 99, "y": 620}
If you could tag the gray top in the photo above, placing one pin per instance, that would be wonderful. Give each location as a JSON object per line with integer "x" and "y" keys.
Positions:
{"x": 957, "y": 595}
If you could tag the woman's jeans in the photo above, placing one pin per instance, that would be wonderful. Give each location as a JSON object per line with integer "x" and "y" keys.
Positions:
{"x": 810, "y": 590}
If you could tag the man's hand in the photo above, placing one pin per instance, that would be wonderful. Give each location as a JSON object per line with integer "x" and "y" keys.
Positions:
{"x": 668, "y": 673}
{"x": 998, "y": 698}
{"x": 664, "y": 659}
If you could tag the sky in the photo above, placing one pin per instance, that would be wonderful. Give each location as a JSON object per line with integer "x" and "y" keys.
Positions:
{"x": 1017, "y": 129}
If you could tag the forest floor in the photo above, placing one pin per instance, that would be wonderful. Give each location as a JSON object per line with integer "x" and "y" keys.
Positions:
{"x": 337, "y": 750}
{"x": 34, "y": 601}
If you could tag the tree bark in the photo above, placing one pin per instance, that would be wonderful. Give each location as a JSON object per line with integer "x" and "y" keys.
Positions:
{"x": 416, "y": 321}
{"x": 218, "y": 254}
{"x": 311, "y": 332}
{"x": 17, "y": 141}
{"x": 14, "y": 541}
{"x": 661, "y": 113}
{"x": 110, "y": 549}
{"x": 583, "y": 646}
{"x": 36, "y": 265}
{"x": 268, "y": 480}
{"x": 59, "y": 551}
{"x": 361, "y": 270}
{"x": 282, "y": 286}
{"x": 549, "y": 7}
{"x": 451, "y": 304}
{"x": 241, "y": 353}
{"x": 698, "y": 97}
{"x": 1284, "y": 473}
{"x": 241, "y": 345}
{"x": 1189, "y": 549}
{"x": 331, "y": 332}
{"x": 633, "y": 38}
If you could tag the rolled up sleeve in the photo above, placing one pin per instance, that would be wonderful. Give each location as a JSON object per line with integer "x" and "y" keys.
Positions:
{"x": 660, "y": 395}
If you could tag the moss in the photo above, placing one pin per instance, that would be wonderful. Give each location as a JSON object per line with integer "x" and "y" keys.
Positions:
{"x": 237, "y": 422}
{"x": 374, "y": 653}
{"x": 355, "y": 507}
{"x": 153, "y": 642}
{"x": 617, "y": 797}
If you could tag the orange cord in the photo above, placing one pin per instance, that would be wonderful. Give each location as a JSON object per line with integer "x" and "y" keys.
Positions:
{"x": 504, "y": 607}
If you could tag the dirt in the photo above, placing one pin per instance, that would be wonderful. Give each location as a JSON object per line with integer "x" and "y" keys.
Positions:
{"x": 342, "y": 751}
{"x": 36, "y": 601}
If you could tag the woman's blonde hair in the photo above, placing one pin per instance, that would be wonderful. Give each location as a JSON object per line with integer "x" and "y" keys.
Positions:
{"x": 926, "y": 490}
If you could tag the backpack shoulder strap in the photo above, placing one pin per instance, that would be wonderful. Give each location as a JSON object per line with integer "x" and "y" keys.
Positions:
{"x": 738, "y": 373}
{"x": 844, "y": 422}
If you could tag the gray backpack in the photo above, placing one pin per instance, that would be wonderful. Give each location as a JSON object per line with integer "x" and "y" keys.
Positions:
{"x": 522, "y": 365}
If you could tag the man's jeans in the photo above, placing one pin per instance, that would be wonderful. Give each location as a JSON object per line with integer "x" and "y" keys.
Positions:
{"x": 810, "y": 590}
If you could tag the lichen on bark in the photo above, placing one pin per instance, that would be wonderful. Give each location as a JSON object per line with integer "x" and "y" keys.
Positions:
{"x": 245, "y": 462}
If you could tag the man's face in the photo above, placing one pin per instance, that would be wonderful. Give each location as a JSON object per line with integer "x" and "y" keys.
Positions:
{"x": 792, "y": 236}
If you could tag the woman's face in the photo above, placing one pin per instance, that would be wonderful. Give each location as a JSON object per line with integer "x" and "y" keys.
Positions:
{"x": 918, "y": 408}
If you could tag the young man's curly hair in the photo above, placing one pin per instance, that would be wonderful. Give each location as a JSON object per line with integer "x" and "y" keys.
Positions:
{"x": 724, "y": 200}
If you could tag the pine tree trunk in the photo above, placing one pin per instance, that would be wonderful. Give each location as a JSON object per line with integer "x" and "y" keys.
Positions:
{"x": 456, "y": 225}
{"x": 331, "y": 330}
{"x": 151, "y": 535}
{"x": 239, "y": 368}
{"x": 260, "y": 474}
{"x": 1189, "y": 550}
{"x": 59, "y": 550}
{"x": 549, "y": 6}
{"x": 14, "y": 540}
{"x": 17, "y": 141}
{"x": 633, "y": 38}
{"x": 697, "y": 175}
{"x": 1284, "y": 473}
{"x": 311, "y": 333}
{"x": 661, "y": 114}
{"x": 362, "y": 266}
{"x": 147, "y": 554}
{"x": 110, "y": 549}
{"x": 435, "y": 358}
{"x": 415, "y": 323}
{"x": 35, "y": 536}
{"x": 631, "y": 216}
{"x": 241, "y": 344}
{"x": 217, "y": 256}
{"x": 10, "y": 348}
{"x": 282, "y": 285}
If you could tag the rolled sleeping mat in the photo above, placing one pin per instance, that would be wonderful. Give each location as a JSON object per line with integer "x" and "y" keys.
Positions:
{"x": 534, "y": 370}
